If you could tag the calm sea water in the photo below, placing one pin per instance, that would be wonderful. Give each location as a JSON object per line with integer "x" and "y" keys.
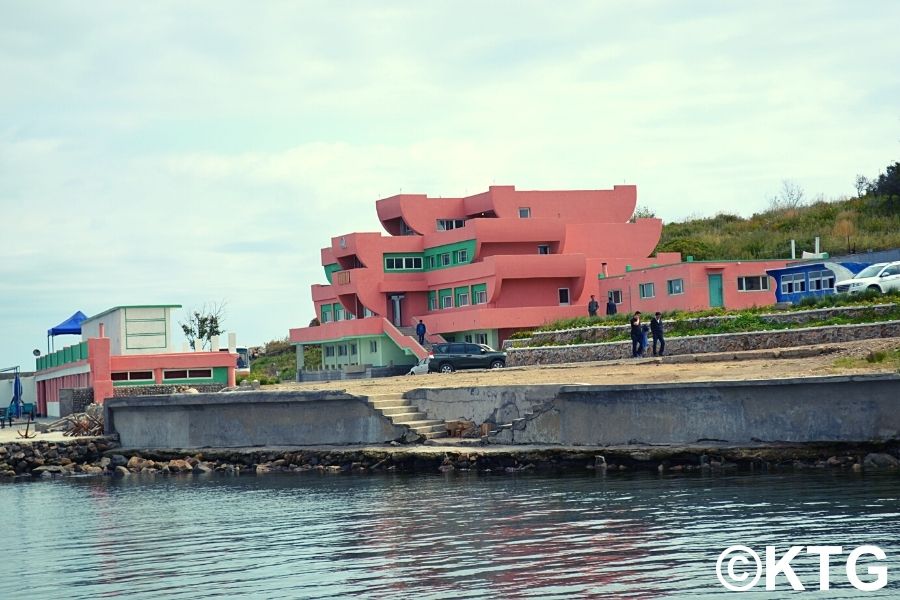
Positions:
{"x": 470, "y": 536}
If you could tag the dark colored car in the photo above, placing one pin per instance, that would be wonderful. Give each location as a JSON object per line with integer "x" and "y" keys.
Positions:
{"x": 447, "y": 358}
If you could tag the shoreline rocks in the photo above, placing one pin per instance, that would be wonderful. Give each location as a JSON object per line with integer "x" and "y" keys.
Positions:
{"x": 100, "y": 456}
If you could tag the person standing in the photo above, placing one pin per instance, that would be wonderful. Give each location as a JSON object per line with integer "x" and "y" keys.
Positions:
{"x": 593, "y": 306}
{"x": 610, "y": 306}
{"x": 636, "y": 336}
{"x": 420, "y": 331}
{"x": 656, "y": 330}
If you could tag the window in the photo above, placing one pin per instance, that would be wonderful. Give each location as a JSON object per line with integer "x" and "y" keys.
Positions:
{"x": 524, "y": 212}
{"x": 445, "y": 259}
{"x": 373, "y": 346}
{"x": 675, "y": 286}
{"x": 397, "y": 263}
{"x": 821, "y": 280}
{"x": 404, "y": 228}
{"x": 338, "y": 312}
{"x": 468, "y": 338}
{"x": 616, "y": 296}
{"x": 563, "y": 296}
{"x": 429, "y": 262}
{"x": 329, "y": 350}
{"x": 187, "y": 374}
{"x": 462, "y": 299}
{"x": 342, "y": 350}
{"x": 446, "y": 301}
{"x": 481, "y": 297}
{"x": 758, "y": 283}
{"x": 132, "y": 376}
{"x": 352, "y": 349}
{"x": 448, "y": 224}
{"x": 481, "y": 338}
{"x": 432, "y": 303}
{"x": 462, "y": 256}
{"x": 646, "y": 290}
{"x": 543, "y": 249}
{"x": 367, "y": 313}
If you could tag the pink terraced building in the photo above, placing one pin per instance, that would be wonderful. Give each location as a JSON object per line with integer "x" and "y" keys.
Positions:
{"x": 472, "y": 269}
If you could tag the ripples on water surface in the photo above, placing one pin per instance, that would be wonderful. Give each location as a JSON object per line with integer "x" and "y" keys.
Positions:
{"x": 472, "y": 536}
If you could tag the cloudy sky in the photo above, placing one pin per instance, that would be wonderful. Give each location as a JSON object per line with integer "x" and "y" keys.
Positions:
{"x": 188, "y": 152}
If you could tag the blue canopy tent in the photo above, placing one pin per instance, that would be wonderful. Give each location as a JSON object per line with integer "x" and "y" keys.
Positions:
{"x": 71, "y": 326}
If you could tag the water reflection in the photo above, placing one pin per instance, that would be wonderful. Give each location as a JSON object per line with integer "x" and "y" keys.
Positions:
{"x": 498, "y": 536}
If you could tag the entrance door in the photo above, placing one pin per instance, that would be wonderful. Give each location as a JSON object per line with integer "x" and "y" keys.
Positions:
{"x": 716, "y": 298}
{"x": 396, "y": 305}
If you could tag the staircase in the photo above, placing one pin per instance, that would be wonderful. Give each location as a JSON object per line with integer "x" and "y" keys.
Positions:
{"x": 411, "y": 332}
{"x": 401, "y": 412}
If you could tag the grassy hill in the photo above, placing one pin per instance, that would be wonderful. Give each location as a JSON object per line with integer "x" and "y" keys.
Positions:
{"x": 857, "y": 224}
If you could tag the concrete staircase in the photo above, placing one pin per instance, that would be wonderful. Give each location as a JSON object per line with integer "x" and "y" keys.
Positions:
{"x": 411, "y": 333}
{"x": 402, "y": 413}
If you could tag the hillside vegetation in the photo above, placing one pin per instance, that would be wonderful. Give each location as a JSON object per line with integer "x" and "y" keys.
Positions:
{"x": 870, "y": 221}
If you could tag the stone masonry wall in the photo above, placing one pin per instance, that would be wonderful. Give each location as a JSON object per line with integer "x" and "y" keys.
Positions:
{"x": 603, "y": 333}
{"x": 727, "y": 342}
{"x": 156, "y": 390}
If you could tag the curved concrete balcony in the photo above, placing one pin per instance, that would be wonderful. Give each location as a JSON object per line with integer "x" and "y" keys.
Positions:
{"x": 336, "y": 330}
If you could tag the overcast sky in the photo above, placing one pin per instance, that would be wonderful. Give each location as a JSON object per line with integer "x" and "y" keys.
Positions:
{"x": 188, "y": 152}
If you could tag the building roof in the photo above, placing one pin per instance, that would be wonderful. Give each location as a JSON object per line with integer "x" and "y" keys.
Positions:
{"x": 115, "y": 308}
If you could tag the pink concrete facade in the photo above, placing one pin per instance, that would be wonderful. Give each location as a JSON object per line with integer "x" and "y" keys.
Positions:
{"x": 94, "y": 364}
{"x": 693, "y": 286}
{"x": 498, "y": 261}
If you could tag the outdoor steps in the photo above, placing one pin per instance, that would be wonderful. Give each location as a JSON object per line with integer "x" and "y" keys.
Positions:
{"x": 401, "y": 412}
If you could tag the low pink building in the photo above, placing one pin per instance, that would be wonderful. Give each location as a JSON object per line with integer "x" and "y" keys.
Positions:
{"x": 693, "y": 285}
{"x": 126, "y": 346}
{"x": 472, "y": 269}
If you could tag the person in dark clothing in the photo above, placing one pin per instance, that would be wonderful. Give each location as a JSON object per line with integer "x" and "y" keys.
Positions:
{"x": 656, "y": 329}
{"x": 636, "y": 336}
{"x": 593, "y": 305}
{"x": 420, "y": 331}
{"x": 610, "y": 306}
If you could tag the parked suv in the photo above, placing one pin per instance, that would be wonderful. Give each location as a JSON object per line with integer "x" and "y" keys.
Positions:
{"x": 447, "y": 358}
{"x": 881, "y": 277}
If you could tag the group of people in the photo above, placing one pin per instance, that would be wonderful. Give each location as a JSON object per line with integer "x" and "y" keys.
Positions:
{"x": 594, "y": 306}
{"x": 639, "y": 330}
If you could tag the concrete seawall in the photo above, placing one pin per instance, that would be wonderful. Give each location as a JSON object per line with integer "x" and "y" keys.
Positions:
{"x": 243, "y": 419}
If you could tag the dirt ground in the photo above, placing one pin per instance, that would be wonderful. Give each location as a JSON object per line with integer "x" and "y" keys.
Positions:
{"x": 628, "y": 371}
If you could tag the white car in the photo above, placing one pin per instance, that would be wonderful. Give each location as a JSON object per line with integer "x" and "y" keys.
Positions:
{"x": 421, "y": 368}
{"x": 880, "y": 277}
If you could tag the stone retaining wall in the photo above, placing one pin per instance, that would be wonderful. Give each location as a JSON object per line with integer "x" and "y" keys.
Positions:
{"x": 157, "y": 390}
{"x": 724, "y": 342}
{"x": 601, "y": 333}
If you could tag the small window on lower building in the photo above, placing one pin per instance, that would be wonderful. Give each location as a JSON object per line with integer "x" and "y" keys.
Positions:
{"x": 462, "y": 300}
{"x": 119, "y": 376}
{"x": 481, "y": 338}
{"x": 175, "y": 374}
{"x": 563, "y": 296}
{"x": 524, "y": 212}
{"x": 446, "y": 302}
{"x": 342, "y": 350}
{"x": 140, "y": 376}
{"x": 758, "y": 283}
{"x": 675, "y": 286}
{"x": 200, "y": 373}
{"x": 373, "y": 346}
{"x": 616, "y": 296}
{"x": 543, "y": 249}
{"x": 329, "y": 350}
{"x": 462, "y": 256}
{"x": 352, "y": 349}
{"x": 468, "y": 338}
{"x": 481, "y": 297}
{"x": 646, "y": 290}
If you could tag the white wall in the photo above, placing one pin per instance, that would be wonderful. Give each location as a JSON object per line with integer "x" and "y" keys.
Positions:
{"x": 134, "y": 330}
{"x": 29, "y": 390}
